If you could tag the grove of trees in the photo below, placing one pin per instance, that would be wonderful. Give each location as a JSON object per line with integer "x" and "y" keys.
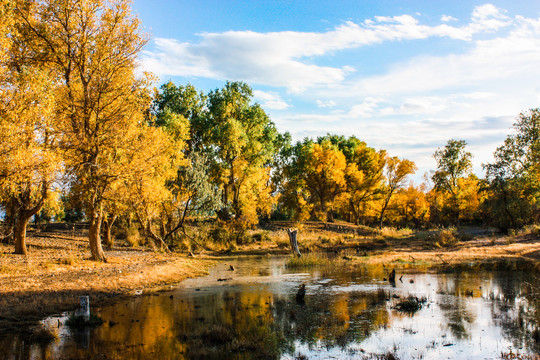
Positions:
{"x": 83, "y": 132}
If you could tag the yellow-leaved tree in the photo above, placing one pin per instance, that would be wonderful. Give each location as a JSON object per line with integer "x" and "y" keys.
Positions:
{"x": 325, "y": 177}
{"x": 145, "y": 189}
{"x": 396, "y": 172}
{"x": 364, "y": 177}
{"x": 29, "y": 159}
{"x": 92, "y": 47}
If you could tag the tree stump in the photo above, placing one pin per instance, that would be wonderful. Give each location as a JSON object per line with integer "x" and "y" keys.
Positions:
{"x": 84, "y": 310}
{"x": 294, "y": 242}
{"x": 392, "y": 276}
{"x": 301, "y": 294}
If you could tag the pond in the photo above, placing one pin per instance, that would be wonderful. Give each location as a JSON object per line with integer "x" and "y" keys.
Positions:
{"x": 252, "y": 312}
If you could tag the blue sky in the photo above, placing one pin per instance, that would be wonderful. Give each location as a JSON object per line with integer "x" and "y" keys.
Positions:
{"x": 405, "y": 76}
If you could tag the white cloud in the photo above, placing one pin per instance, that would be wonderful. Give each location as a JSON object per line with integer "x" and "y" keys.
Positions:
{"x": 365, "y": 109}
{"x": 279, "y": 58}
{"x": 448, "y": 18}
{"x": 270, "y": 100}
{"x": 326, "y": 104}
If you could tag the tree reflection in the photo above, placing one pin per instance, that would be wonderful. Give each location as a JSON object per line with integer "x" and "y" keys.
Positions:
{"x": 246, "y": 321}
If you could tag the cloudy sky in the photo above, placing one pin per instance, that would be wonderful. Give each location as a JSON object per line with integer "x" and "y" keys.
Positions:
{"x": 402, "y": 75}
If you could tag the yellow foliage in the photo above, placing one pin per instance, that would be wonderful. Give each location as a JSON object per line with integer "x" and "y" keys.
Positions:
{"x": 325, "y": 177}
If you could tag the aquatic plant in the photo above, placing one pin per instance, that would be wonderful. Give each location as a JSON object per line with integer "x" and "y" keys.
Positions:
{"x": 308, "y": 260}
{"x": 411, "y": 304}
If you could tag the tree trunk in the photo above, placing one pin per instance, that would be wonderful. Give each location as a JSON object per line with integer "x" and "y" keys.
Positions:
{"x": 330, "y": 216}
{"x": 107, "y": 226}
{"x": 382, "y": 215}
{"x": 19, "y": 231}
{"x": 20, "y": 221}
{"x": 94, "y": 237}
{"x": 294, "y": 242}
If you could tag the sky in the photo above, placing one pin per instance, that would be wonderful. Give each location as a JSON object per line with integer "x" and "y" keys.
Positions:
{"x": 401, "y": 75}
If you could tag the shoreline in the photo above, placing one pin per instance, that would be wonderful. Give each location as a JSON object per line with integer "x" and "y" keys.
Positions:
{"x": 41, "y": 285}
{"x": 56, "y": 272}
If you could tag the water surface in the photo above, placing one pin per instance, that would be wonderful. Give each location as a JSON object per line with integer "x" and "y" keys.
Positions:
{"x": 348, "y": 313}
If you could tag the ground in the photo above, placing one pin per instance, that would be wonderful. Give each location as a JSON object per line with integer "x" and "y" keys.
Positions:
{"x": 57, "y": 270}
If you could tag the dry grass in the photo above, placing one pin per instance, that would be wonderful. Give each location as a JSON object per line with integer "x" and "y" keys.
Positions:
{"x": 57, "y": 271}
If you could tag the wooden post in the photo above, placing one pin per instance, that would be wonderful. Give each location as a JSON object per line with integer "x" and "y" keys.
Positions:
{"x": 84, "y": 310}
{"x": 294, "y": 242}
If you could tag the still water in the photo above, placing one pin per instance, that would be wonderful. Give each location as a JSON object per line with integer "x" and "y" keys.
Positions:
{"x": 348, "y": 313}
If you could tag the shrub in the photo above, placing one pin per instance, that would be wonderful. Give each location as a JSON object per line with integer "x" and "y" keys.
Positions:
{"x": 261, "y": 236}
{"x": 446, "y": 237}
{"x": 219, "y": 235}
{"x": 307, "y": 260}
{"x": 133, "y": 237}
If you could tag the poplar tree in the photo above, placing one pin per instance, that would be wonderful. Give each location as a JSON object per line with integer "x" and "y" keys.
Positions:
{"x": 92, "y": 46}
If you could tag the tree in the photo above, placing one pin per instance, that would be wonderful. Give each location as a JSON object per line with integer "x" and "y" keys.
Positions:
{"x": 144, "y": 187}
{"x": 324, "y": 176}
{"x": 514, "y": 176}
{"x": 364, "y": 177}
{"x": 412, "y": 205}
{"x": 92, "y": 47}
{"x": 453, "y": 163}
{"x": 28, "y": 146}
{"x": 295, "y": 197}
{"x": 184, "y": 101}
{"x": 242, "y": 141}
{"x": 193, "y": 191}
{"x": 396, "y": 172}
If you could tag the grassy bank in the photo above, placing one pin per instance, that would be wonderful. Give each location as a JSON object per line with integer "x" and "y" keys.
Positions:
{"x": 56, "y": 272}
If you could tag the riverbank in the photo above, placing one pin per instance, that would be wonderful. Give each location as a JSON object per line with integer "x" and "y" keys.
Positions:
{"x": 57, "y": 271}
{"x": 428, "y": 248}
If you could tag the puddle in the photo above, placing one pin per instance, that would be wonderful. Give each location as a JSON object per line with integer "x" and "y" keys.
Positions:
{"x": 252, "y": 313}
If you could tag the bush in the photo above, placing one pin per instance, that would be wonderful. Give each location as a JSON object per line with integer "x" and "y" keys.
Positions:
{"x": 446, "y": 237}
{"x": 220, "y": 235}
{"x": 261, "y": 236}
{"x": 133, "y": 237}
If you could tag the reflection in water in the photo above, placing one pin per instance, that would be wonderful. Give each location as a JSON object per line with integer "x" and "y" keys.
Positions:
{"x": 348, "y": 313}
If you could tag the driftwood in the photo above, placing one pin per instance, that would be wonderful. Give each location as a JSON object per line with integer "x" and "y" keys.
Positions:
{"x": 294, "y": 242}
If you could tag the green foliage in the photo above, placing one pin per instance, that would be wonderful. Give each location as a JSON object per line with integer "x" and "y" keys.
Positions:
{"x": 242, "y": 142}
{"x": 185, "y": 101}
{"x": 453, "y": 165}
{"x": 453, "y": 162}
{"x": 194, "y": 183}
{"x": 514, "y": 176}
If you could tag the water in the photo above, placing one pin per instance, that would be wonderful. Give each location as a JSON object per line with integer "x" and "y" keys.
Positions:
{"x": 348, "y": 314}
